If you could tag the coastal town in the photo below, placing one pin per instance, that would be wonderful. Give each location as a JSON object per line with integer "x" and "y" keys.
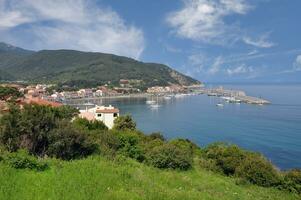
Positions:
{"x": 46, "y": 94}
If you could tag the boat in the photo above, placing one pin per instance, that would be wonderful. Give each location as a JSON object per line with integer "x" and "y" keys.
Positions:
{"x": 220, "y": 105}
{"x": 179, "y": 95}
{"x": 150, "y": 102}
{"x": 88, "y": 104}
{"x": 167, "y": 97}
{"x": 155, "y": 106}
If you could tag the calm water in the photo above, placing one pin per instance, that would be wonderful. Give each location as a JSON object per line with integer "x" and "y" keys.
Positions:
{"x": 274, "y": 130}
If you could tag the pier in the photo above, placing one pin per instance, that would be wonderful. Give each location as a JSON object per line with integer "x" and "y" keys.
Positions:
{"x": 233, "y": 96}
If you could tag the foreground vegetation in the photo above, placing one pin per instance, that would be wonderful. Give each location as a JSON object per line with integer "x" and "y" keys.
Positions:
{"x": 49, "y": 153}
{"x": 98, "y": 178}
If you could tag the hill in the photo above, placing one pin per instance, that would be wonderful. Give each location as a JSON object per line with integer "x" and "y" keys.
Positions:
{"x": 84, "y": 68}
{"x": 98, "y": 178}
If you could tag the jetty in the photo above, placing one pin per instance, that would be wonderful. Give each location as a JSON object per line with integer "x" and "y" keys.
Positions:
{"x": 252, "y": 100}
{"x": 233, "y": 96}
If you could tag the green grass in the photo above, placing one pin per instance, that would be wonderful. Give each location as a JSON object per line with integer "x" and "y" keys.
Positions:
{"x": 98, "y": 178}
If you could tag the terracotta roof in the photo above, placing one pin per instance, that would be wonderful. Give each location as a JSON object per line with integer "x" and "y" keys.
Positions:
{"x": 43, "y": 102}
{"x": 114, "y": 110}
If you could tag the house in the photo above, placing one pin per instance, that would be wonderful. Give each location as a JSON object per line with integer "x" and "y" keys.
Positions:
{"x": 86, "y": 93}
{"x": 98, "y": 93}
{"x": 101, "y": 113}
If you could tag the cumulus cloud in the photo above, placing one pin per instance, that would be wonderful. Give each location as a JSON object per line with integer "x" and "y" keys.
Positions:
{"x": 261, "y": 42}
{"x": 203, "y": 20}
{"x": 297, "y": 63}
{"x": 71, "y": 24}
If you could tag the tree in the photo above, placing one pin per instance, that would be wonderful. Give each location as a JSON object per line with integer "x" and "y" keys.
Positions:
{"x": 31, "y": 127}
{"x": 124, "y": 123}
{"x": 67, "y": 142}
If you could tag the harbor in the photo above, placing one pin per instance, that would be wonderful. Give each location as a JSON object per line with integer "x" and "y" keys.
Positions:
{"x": 233, "y": 96}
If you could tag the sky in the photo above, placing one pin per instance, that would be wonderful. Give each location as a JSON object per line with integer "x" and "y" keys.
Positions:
{"x": 210, "y": 40}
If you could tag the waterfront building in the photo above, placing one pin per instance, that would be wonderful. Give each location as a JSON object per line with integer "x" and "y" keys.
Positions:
{"x": 101, "y": 113}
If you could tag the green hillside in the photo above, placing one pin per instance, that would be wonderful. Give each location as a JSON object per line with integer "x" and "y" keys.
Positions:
{"x": 98, "y": 178}
{"x": 85, "y": 68}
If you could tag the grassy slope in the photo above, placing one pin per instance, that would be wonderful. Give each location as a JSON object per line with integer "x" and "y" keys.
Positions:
{"x": 97, "y": 178}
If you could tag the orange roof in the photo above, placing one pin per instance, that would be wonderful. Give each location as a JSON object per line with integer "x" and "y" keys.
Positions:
{"x": 43, "y": 102}
{"x": 113, "y": 110}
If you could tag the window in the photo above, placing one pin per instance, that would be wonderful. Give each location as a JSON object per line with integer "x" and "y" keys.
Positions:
{"x": 115, "y": 115}
{"x": 98, "y": 115}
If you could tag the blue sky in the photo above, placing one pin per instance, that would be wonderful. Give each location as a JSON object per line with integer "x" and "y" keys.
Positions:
{"x": 211, "y": 40}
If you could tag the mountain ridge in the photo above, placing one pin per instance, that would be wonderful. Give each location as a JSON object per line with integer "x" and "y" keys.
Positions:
{"x": 72, "y": 67}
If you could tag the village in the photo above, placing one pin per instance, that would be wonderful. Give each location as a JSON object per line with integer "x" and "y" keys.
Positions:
{"x": 44, "y": 94}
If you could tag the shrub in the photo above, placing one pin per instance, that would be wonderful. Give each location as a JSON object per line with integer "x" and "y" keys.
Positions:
{"x": 257, "y": 170}
{"x": 22, "y": 160}
{"x": 129, "y": 145}
{"x": 108, "y": 143}
{"x": 68, "y": 143}
{"x": 292, "y": 181}
{"x": 89, "y": 125}
{"x": 169, "y": 156}
{"x": 29, "y": 128}
{"x": 124, "y": 123}
{"x": 156, "y": 135}
{"x": 185, "y": 144}
{"x": 227, "y": 157}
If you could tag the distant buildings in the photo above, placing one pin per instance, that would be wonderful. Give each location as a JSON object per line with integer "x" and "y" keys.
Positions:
{"x": 101, "y": 113}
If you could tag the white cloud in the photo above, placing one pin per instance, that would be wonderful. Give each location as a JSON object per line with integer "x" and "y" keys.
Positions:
{"x": 297, "y": 63}
{"x": 261, "y": 42}
{"x": 241, "y": 69}
{"x": 203, "y": 20}
{"x": 69, "y": 24}
{"x": 216, "y": 66}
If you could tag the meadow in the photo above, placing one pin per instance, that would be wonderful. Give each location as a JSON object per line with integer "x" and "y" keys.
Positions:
{"x": 96, "y": 177}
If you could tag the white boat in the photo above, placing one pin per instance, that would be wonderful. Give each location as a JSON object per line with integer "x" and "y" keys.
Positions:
{"x": 150, "y": 102}
{"x": 167, "y": 97}
{"x": 89, "y": 104}
{"x": 220, "y": 105}
{"x": 179, "y": 95}
{"x": 155, "y": 106}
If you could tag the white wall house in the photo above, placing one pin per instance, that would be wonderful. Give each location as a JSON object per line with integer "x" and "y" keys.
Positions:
{"x": 101, "y": 113}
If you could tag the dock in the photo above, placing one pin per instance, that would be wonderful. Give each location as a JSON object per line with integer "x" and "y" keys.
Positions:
{"x": 233, "y": 96}
{"x": 252, "y": 100}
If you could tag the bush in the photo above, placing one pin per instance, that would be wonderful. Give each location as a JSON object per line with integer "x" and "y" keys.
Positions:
{"x": 68, "y": 143}
{"x": 29, "y": 128}
{"x": 124, "y": 123}
{"x": 129, "y": 145}
{"x": 22, "y": 160}
{"x": 169, "y": 156}
{"x": 108, "y": 143}
{"x": 156, "y": 135}
{"x": 257, "y": 170}
{"x": 227, "y": 157}
{"x": 89, "y": 125}
{"x": 292, "y": 181}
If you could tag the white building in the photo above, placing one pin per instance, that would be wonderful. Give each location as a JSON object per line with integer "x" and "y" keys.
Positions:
{"x": 101, "y": 113}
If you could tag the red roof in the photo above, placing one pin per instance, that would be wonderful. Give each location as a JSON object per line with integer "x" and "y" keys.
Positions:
{"x": 43, "y": 102}
{"x": 114, "y": 110}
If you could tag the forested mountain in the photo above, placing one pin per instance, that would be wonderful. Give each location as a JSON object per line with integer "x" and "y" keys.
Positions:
{"x": 76, "y": 68}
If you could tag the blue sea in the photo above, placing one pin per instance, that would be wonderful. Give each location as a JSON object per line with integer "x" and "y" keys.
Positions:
{"x": 274, "y": 130}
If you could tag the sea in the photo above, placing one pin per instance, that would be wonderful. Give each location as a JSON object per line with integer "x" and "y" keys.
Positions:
{"x": 273, "y": 130}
